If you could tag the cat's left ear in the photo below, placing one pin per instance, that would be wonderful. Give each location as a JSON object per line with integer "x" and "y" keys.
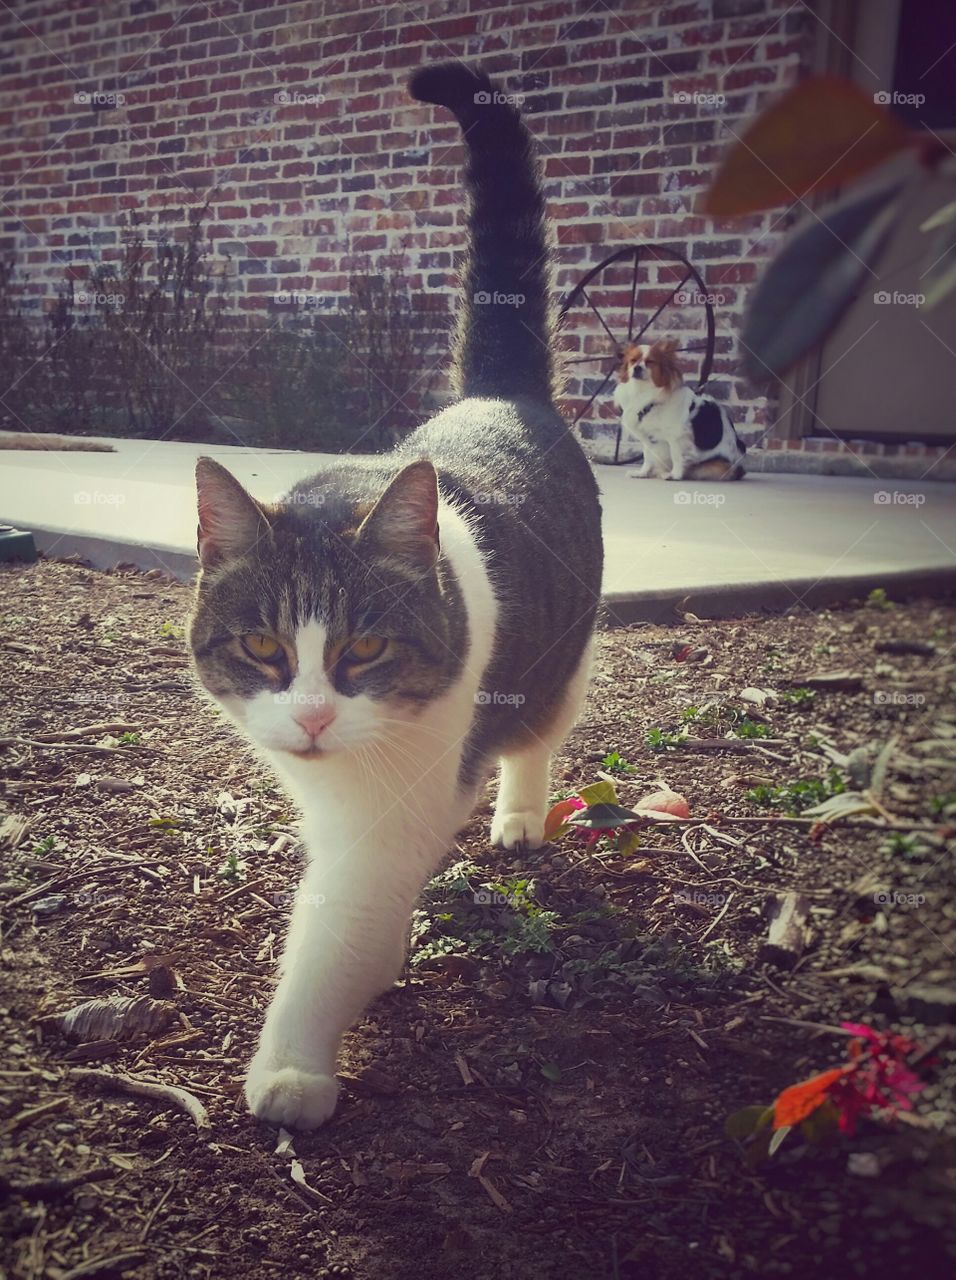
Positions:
{"x": 230, "y": 521}
{"x": 404, "y": 521}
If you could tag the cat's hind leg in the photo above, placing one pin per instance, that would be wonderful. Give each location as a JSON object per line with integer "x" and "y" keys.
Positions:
{"x": 522, "y": 798}
{"x": 522, "y": 803}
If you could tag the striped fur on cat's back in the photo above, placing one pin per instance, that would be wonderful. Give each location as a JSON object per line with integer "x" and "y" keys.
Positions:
{"x": 399, "y": 625}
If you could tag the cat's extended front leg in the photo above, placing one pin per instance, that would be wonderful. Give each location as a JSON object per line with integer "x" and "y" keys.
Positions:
{"x": 346, "y": 945}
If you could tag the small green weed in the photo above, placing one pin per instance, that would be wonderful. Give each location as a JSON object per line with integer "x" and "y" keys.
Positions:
{"x": 614, "y": 762}
{"x": 798, "y": 697}
{"x": 234, "y": 868}
{"x": 794, "y": 797}
{"x": 748, "y": 728}
{"x": 878, "y": 599}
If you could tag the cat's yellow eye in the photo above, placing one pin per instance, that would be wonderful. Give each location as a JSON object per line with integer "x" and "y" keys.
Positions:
{"x": 265, "y": 648}
{"x": 365, "y": 649}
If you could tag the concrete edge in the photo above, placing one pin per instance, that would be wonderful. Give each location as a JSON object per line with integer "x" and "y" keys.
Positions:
{"x": 107, "y": 553}
{"x": 852, "y": 465}
{"x": 618, "y": 608}
{"x": 738, "y": 599}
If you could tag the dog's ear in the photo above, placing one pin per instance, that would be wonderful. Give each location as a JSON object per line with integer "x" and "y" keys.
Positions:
{"x": 663, "y": 366}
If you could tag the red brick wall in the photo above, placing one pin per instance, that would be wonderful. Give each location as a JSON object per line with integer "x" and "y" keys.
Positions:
{"x": 292, "y": 120}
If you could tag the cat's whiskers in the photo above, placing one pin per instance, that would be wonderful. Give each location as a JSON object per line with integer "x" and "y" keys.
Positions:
{"x": 364, "y": 761}
{"x": 412, "y": 725}
{"x": 405, "y": 796}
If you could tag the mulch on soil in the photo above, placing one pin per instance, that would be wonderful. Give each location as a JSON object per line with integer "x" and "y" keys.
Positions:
{"x": 544, "y": 1092}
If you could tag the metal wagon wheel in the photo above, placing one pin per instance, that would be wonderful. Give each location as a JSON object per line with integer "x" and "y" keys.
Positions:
{"x": 626, "y": 299}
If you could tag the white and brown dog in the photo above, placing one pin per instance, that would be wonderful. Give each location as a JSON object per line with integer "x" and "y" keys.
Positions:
{"x": 682, "y": 435}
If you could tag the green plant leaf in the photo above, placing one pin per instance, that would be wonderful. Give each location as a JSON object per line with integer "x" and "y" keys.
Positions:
{"x": 940, "y": 218}
{"x": 602, "y": 792}
{"x": 938, "y": 277}
{"x": 776, "y": 1138}
{"x": 815, "y": 277}
{"x": 748, "y": 1120}
{"x": 551, "y": 1071}
{"x": 603, "y": 817}
{"x": 759, "y": 1149}
{"x": 821, "y": 1125}
{"x": 844, "y": 805}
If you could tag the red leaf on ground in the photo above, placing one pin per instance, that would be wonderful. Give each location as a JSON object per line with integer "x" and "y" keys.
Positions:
{"x": 801, "y": 1100}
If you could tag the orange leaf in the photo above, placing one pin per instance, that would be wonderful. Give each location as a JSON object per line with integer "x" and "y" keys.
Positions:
{"x": 801, "y": 1100}
{"x": 556, "y": 816}
{"x": 820, "y": 134}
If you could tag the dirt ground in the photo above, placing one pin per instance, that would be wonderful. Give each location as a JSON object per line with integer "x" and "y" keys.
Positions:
{"x": 543, "y": 1093}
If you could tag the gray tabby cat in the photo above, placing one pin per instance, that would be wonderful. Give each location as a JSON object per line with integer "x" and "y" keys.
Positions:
{"x": 398, "y": 625}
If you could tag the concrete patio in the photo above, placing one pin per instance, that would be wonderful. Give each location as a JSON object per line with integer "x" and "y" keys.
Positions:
{"x": 770, "y": 542}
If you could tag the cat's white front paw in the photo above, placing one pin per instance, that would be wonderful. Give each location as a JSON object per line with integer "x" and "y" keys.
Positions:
{"x": 289, "y": 1097}
{"x": 517, "y": 830}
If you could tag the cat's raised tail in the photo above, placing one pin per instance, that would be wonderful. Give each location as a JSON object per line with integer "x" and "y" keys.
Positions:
{"x": 505, "y": 343}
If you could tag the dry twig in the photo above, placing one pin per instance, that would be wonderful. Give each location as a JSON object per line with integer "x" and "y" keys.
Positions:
{"x": 149, "y": 1089}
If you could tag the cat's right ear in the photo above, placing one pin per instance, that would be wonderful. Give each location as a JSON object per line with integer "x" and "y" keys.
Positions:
{"x": 230, "y": 521}
{"x": 404, "y": 521}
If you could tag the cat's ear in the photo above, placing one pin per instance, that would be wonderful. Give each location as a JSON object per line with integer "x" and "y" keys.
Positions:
{"x": 404, "y": 521}
{"x": 230, "y": 521}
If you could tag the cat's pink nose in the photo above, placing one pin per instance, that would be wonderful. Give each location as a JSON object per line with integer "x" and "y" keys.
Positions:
{"x": 314, "y": 719}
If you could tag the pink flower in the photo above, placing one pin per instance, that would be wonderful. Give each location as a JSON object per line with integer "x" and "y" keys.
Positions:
{"x": 878, "y": 1078}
